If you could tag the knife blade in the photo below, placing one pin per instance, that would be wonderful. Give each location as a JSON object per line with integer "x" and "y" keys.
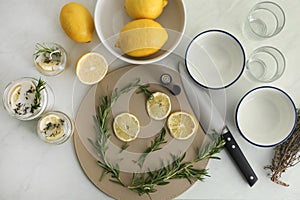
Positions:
{"x": 210, "y": 119}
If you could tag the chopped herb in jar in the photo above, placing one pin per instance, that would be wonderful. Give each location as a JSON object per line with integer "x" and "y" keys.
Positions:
{"x": 30, "y": 101}
{"x": 53, "y": 129}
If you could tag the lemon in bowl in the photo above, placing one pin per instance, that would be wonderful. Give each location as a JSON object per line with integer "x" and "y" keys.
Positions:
{"x": 141, "y": 38}
{"x": 111, "y": 16}
{"x": 145, "y": 9}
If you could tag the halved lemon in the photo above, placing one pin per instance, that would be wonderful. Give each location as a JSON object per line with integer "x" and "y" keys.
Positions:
{"x": 182, "y": 125}
{"x": 126, "y": 127}
{"x": 91, "y": 68}
{"x": 159, "y": 106}
{"x": 15, "y": 94}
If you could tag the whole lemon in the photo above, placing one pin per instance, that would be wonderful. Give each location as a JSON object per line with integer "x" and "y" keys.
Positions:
{"x": 141, "y": 38}
{"x": 77, "y": 22}
{"x": 149, "y": 9}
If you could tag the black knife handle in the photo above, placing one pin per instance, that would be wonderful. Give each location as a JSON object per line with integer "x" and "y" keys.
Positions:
{"x": 239, "y": 158}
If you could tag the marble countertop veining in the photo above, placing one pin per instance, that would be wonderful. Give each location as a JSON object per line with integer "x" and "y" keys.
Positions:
{"x": 32, "y": 169}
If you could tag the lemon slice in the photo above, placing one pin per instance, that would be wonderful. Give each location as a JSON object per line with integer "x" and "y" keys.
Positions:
{"x": 15, "y": 94}
{"x": 182, "y": 125}
{"x": 91, "y": 68}
{"x": 159, "y": 106}
{"x": 47, "y": 67}
{"x": 50, "y": 119}
{"x": 56, "y": 136}
{"x": 126, "y": 127}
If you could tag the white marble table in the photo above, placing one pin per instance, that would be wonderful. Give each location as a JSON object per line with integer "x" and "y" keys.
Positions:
{"x": 32, "y": 169}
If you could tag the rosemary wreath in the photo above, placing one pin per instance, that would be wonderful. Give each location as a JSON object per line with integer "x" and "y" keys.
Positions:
{"x": 146, "y": 183}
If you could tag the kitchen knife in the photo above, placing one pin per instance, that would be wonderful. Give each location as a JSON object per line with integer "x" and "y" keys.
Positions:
{"x": 210, "y": 119}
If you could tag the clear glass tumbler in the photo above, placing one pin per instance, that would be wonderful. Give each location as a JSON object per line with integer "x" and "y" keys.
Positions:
{"x": 265, "y": 64}
{"x": 265, "y": 19}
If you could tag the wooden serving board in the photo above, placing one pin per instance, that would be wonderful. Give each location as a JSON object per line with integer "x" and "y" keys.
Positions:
{"x": 135, "y": 104}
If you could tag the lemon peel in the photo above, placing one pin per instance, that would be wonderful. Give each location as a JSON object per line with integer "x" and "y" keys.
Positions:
{"x": 141, "y": 38}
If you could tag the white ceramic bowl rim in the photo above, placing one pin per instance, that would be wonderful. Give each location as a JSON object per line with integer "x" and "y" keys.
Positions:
{"x": 242, "y": 51}
{"x": 287, "y": 135}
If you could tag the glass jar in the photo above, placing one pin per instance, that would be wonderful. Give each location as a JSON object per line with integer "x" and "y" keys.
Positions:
{"x": 22, "y": 101}
{"x": 50, "y": 58}
{"x": 55, "y": 127}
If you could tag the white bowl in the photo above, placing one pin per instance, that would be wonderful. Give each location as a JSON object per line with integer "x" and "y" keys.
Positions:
{"x": 266, "y": 116}
{"x": 110, "y": 16}
{"x": 215, "y": 59}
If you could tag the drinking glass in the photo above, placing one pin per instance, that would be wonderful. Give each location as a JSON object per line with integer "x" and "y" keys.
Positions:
{"x": 265, "y": 19}
{"x": 265, "y": 64}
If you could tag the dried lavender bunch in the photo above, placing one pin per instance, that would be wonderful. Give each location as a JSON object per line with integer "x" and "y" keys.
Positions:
{"x": 286, "y": 155}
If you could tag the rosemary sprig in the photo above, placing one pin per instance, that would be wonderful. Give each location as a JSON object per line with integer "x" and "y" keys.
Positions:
{"x": 214, "y": 147}
{"x": 146, "y": 183}
{"x": 124, "y": 147}
{"x": 178, "y": 169}
{"x": 39, "y": 86}
{"x": 144, "y": 89}
{"x": 286, "y": 155}
{"x": 47, "y": 51}
{"x": 155, "y": 146}
{"x": 102, "y": 130}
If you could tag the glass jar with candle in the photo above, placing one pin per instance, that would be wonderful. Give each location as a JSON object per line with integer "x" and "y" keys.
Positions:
{"x": 27, "y": 98}
{"x": 55, "y": 127}
{"x": 50, "y": 58}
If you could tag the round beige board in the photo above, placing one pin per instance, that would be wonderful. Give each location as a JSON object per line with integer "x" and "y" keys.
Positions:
{"x": 133, "y": 103}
